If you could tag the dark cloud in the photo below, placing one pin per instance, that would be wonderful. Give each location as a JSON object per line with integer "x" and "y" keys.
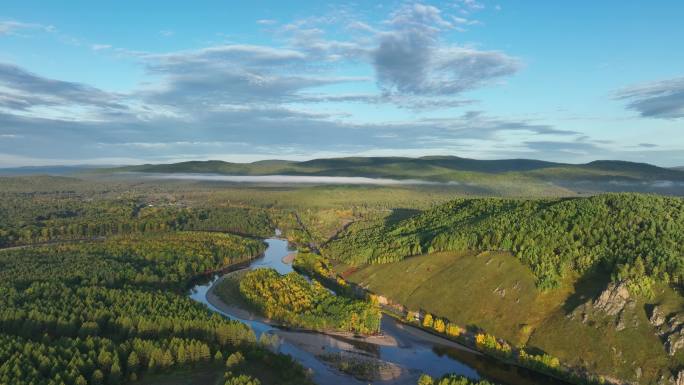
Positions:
{"x": 410, "y": 57}
{"x": 233, "y": 74}
{"x": 253, "y": 130}
{"x": 25, "y": 90}
{"x": 662, "y": 99}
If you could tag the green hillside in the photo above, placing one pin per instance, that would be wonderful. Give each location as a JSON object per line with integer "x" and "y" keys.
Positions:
{"x": 503, "y": 177}
{"x": 494, "y": 292}
{"x": 594, "y": 281}
{"x": 634, "y": 236}
{"x": 439, "y": 168}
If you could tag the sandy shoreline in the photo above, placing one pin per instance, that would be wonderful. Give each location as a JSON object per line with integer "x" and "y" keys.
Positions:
{"x": 288, "y": 259}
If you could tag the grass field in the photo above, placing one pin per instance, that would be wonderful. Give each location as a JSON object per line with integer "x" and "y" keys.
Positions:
{"x": 495, "y": 292}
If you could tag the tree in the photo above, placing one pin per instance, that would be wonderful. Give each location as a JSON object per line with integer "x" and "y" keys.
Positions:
{"x": 115, "y": 373}
{"x": 425, "y": 380}
{"x": 427, "y": 320}
{"x": 439, "y": 325}
{"x": 181, "y": 355}
{"x": 97, "y": 378}
{"x": 133, "y": 362}
{"x": 234, "y": 359}
{"x": 453, "y": 330}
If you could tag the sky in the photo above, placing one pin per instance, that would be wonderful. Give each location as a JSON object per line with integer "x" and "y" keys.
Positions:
{"x": 129, "y": 82}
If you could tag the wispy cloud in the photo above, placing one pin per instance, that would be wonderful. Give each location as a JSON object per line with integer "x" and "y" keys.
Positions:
{"x": 662, "y": 99}
{"x": 291, "y": 97}
{"x": 100, "y": 47}
{"x": 11, "y": 27}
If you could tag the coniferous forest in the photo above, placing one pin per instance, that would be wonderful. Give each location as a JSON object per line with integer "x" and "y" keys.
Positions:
{"x": 111, "y": 308}
{"x": 94, "y": 277}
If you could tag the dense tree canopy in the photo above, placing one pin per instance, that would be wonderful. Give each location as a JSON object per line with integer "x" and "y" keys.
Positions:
{"x": 635, "y": 236}
{"x": 32, "y": 218}
{"x": 294, "y": 300}
{"x": 111, "y": 311}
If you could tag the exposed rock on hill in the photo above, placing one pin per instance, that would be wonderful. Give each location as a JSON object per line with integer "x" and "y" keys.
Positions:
{"x": 656, "y": 318}
{"x": 613, "y": 299}
{"x": 614, "y": 302}
{"x": 671, "y": 331}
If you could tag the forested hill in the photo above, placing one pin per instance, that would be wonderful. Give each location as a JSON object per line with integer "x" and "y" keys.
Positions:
{"x": 637, "y": 237}
{"x": 438, "y": 168}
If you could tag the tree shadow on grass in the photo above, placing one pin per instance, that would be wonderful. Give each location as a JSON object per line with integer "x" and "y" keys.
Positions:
{"x": 587, "y": 288}
{"x": 399, "y": 214}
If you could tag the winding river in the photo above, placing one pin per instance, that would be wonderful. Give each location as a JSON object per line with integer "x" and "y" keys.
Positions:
{"x": 411, "y": 352}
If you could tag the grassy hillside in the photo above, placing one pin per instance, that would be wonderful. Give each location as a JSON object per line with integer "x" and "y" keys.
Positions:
{"x": 538, "y": 273}
{"x": 495, "y": 292}
{"x": 635, "y": 237}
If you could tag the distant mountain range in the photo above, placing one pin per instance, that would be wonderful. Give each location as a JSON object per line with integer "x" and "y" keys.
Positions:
{"x": 519, "y": 177}
{"x": 46, "y": 170}
{"x": 434, "y": 168}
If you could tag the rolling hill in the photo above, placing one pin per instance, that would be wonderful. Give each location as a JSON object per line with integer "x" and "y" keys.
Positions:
{"x": 511, "y": 177}
{"x": 540, "y": 273}
{"x": 438, "y": 168}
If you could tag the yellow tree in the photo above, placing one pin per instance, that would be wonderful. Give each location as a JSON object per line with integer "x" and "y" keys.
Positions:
{"x": 427, "y": 320}
{"x": 453, "y": 330}
{"x": 439, "y": 325}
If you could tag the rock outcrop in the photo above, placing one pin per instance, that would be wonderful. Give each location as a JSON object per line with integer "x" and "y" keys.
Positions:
{"x": 679, "y": 379}
{"x": 614, "y": 302}
{"x": 613, "y": 299}
{"x": 670, "y": 329}
{"x": 657, "y": 318}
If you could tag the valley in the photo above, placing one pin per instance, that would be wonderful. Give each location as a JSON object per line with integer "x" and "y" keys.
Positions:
{"x": 509, "y": 290}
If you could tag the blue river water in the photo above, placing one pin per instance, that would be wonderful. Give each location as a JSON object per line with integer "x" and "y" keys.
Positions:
{"x": 414, "y": 352}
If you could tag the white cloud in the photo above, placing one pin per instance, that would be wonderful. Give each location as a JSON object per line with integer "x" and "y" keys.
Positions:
{"x": 11, "y": 27}
{"x": 100, "y": 47}
{"x": 290, "y": 98}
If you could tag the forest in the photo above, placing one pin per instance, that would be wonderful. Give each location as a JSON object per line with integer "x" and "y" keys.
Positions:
{"x": 450, "y": 379}
{"x": 94, "y": 276}
{"x": 637, "y": 238}
{"x": 292, "y": 299}
{"x": 31, "y": 218}
{"x": 114, "y": 310}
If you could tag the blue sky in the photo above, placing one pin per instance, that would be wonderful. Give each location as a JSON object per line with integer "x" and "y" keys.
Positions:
{"x": 85, "y": 82}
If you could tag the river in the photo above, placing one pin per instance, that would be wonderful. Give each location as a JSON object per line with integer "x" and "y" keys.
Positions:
{"x": 414, "y": 351}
